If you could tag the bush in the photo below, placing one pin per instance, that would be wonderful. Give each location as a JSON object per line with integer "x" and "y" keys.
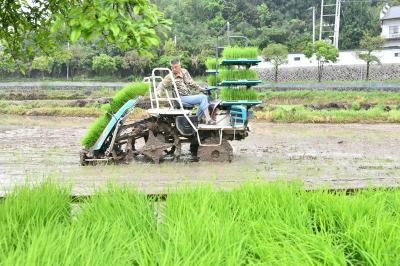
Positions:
{"x": 104, "y": 64}
{"x": 356, "y": 106}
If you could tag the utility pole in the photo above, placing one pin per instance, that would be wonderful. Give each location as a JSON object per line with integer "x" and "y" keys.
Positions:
{"x": 228, "y": 32}
{"x": 68, "y": 63}
{"x": 313, "y": 23}
{"x": 337, "y": 24}
{"x": 322, "y": 19}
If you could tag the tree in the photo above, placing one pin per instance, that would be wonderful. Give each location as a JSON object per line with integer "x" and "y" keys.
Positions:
{"x": 277, "y": 54}
{"x": 324, "y": 53}
{"x": 60, "y": 59}
{"x": 41, "y": 25}
{"x": 118, "y": 60}
{"x": 170, "y": 49}
{"x": 370, "y": 43}
{"x": 7, "y": 64}
{"x": 78, "y": 58}
{"x": 104, "y": 64}
{"x": 135, "y": 63}
{"x": 43, "y": 64}
{"x": 353, "y": 26}
{"x": 263, "y": 15}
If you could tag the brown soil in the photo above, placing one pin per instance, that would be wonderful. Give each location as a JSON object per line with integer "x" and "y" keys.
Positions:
{"x": 340, "y": 156}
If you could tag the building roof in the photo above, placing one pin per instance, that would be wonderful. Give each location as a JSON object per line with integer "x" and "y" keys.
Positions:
{"x": 393, "y": 13}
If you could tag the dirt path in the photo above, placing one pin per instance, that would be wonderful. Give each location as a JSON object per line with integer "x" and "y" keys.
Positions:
{"x": 321, "y": 155}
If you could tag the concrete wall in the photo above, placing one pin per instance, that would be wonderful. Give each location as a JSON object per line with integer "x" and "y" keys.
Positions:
{"x": 348, "y": 67}
{"x": 387, "y": 56}
{"x": 332, "y": 72}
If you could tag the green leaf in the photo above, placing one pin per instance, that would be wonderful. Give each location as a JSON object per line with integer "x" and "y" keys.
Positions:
{"x": 56, "y": 25}
{"x": 123, "y": 36}
{"x": 115, "y": 29}
{"x": 154, "y": 41}
{"x": 76, "y": 33}
{"x": 102, "y": 19}
{"x": 136, "y": 10}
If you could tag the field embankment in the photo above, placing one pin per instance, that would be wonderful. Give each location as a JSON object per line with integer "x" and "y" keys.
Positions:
{"x": 283, "y": 106}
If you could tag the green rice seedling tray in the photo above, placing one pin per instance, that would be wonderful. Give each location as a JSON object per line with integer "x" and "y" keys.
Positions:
{"x": 238, "y": 94}
{"x": 213, "y": 79}
{"x": 238, "y": 74}
{"x": 240, "y": 52}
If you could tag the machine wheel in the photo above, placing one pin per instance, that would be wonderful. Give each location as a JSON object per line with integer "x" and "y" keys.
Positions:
{"x": 194, "y": 147}
{"x": 155, "y": 147}
{"x": 221, "y": 153}
{"x": 83, "y": 157}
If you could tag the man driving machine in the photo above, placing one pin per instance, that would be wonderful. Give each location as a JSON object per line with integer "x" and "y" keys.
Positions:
{"x": 185, "y": 84}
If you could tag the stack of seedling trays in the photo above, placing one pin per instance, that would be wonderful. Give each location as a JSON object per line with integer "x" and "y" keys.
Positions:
{"x": 234, "y": 76}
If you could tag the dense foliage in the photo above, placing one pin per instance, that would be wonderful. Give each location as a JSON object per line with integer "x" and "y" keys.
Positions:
{"x": 194, "y": 26}
{"x": 28, "y": 27}
{"x": 265, "y": 21}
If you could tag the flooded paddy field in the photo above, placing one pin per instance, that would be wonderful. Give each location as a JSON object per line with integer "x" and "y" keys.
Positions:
{"x": 334, "y": 156}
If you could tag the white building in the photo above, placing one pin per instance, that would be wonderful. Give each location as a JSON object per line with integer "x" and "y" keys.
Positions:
{"x": 386, "y": 56}
{"x": 390, "y": 22}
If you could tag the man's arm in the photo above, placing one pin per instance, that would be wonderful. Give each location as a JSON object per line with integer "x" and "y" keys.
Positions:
{"x": 190, "y": 82}
{"x": 164, "y": 84}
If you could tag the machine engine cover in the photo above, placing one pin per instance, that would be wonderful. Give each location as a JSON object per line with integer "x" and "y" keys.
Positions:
{"x": 184, "y": 126}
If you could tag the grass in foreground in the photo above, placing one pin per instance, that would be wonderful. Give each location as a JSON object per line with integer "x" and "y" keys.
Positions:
{"x": 273, "y": 224}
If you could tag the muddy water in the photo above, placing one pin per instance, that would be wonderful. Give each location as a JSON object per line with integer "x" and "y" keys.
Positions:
{"x": 35, "y": 148}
